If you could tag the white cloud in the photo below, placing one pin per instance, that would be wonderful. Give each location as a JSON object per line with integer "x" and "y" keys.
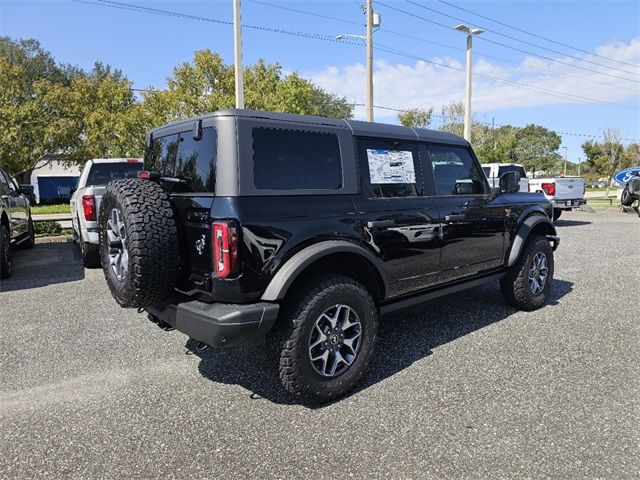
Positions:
{"x": 423, "y": 84}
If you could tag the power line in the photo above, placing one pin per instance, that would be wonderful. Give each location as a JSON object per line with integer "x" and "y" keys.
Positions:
{"x": 404, "y": 35}
{"x": 127, "y": 6}
{"x": 537, "y": 36}
{"x": 510, "y": 37}
{"x": 507, "y": 46}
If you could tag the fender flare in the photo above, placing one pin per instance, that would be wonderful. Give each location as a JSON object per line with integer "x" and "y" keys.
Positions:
{"x": 292, "y": 268}
{"x": 523, "y": 233}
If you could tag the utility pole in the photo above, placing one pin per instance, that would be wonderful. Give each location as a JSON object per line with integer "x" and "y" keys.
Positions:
{"x": 467, "y": 97}
{"x": 237, "y": 53}
{"x": 579, "y": 165}
{"x": 564, "y": 170}
{"x": 369, "y": 60}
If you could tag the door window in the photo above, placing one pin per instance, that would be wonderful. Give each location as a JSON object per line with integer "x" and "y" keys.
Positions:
{"x": 455, "y": 172}
{"x": 196, "y": 160}
{"x": 4, "y": 184}
{"x": 389, "y": 168}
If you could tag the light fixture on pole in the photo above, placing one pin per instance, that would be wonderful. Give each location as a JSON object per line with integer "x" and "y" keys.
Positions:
{"x": 467, "y": 97}
{"x": 373, "y": 22}
{"x": 237, "y": 54}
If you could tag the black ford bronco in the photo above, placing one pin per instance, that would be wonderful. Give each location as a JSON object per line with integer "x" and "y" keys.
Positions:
{"x": 307, "y": 229}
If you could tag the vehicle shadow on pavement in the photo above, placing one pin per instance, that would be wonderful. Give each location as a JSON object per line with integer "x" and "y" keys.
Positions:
{"x": 46, "y": 264}
{"x": 404, "y": 337}
{"x": 570, "y": 223}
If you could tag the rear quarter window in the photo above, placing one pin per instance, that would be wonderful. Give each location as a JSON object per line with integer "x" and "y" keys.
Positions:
{"x": 296, "y": 160}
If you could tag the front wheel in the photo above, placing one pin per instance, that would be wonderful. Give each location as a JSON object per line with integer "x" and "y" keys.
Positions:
{"x": 326, "y": 339}
{"x": 529, "y": 281}
{"x": 626, "y": 198}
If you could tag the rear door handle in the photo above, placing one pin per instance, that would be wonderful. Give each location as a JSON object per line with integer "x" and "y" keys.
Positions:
{"x": 380, "y": 223}
{"x": 454, "y": 218}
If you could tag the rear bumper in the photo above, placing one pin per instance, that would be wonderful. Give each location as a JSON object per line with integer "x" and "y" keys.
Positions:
{"x": 573, "y": 203}
{"x": 217, "y": 324}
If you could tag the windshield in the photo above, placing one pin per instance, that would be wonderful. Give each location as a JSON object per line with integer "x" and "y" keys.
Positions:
{"x": 512, "y": 168}
{"x": 103, "y": 173}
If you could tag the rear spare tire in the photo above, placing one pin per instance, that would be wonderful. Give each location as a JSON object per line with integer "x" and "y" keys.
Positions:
{"x": 138, "y": 242}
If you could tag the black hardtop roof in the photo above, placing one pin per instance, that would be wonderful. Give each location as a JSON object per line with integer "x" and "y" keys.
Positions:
{"x": 360, "y": 128}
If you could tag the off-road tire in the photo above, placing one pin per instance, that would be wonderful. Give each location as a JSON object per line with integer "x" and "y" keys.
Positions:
{"x": 556, "y": 213}
{"x": 626, "y": 198}
{"x": 151, "y": 241}
{"x": 290, "y": 337}
{"x": 90, "y": 254}
{"x": 515, "y": 285}
{"x": 6, "y": 257}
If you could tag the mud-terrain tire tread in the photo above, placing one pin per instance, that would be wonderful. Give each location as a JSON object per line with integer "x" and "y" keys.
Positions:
{"x": 288, "y": 337}
{"x": 515, "y": 285}
{"x": 152, "y": 242}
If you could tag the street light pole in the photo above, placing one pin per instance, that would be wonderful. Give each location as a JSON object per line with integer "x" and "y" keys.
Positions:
{"x": 467, "y": 97}
{"x": 370, "y": 60}
{"x": 237, "y": 53}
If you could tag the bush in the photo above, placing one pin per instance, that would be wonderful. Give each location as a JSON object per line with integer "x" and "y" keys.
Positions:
{"x": 48, "y": 229}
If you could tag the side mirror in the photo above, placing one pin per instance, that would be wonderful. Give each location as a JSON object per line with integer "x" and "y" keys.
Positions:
{"x": 465, "y": 188}
{"x": 510, "y": 182}
{"x": 65, "y": 191}
{"x": 27, "y": 189}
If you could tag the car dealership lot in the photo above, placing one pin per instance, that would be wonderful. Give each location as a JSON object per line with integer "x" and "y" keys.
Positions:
{"x": 463, "y": 386}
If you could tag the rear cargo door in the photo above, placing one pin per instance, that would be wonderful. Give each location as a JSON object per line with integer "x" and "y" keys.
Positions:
{"x": 193, "y": 162}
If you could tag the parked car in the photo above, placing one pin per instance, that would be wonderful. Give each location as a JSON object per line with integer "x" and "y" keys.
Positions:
{"x": 564, "y": 193}
{"x": 16, "y": 224}
{"x": 597, "y": 184}
{"x": 494, "y": 171}
{"x": 306, "y": 229}
{"x": 630, "y": 192}
{"x": 85, "y": 200}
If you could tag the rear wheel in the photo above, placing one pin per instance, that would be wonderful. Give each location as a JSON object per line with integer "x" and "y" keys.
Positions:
{"x": 529, "y": 281}
{"x": 6, "y": 257}
{"x": 556, "y": 214}
{"x": 90, "y": 254}
{"x": 326, "y": 338}
{"x": 30, "y": 241}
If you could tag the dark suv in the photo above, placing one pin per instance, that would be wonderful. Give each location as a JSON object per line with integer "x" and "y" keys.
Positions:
{"x": 16, "y": 225}
{"x": 248, "y": 223}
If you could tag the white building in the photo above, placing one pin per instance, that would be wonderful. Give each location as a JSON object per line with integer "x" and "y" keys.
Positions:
{"x": 50, "y": 174}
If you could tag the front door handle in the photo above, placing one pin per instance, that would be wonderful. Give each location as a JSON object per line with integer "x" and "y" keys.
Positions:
{"x": 380, "y": 223}
{"x": 454, "y": 217}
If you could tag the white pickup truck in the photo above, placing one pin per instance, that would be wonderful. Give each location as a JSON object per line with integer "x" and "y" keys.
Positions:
{"x": 493, "y": 172}
{"x": 564, "y": 193}
{"x": 85, "y": 200}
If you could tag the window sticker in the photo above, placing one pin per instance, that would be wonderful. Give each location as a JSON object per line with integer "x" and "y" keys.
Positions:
{"x": 390, "y": 166}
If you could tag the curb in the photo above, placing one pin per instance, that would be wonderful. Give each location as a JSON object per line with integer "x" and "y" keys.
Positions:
{"x": 57, "y": 239}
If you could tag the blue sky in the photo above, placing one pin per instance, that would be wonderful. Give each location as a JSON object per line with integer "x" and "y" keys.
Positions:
{"x": 146, "y": 47}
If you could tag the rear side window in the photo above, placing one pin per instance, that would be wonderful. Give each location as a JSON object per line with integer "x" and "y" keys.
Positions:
{"x": 103, "y": 173}
{"x": 389, "y": 168}
{"x": 296, "y": 160}
{"x": 196, "y": 160}
{"x": 4, "y": 185}
{"x": 455, "y": 172}
{"x": 511, "y": 168}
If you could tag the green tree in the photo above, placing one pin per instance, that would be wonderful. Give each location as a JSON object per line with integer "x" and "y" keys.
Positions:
{"x": 207, "y": 84}
{"x": 416, "y": 117}
{"x": 453, "y": 122}
{"x": 536, "y": 147}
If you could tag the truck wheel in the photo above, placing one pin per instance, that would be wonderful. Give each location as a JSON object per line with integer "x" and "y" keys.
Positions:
{"x": 528, "y": 283}
{"x": 90, "y": 254}
{"x": 138, "y": 242}
{"x": 6, "y": 257}
{"x": 30, "y": 241}
{"x": 556, "y": 214}
{"x": 626, "y": 198}
{"x": 326, "y": 338}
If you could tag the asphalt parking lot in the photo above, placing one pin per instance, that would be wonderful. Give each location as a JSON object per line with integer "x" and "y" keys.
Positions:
{"x": 462, "y": 387}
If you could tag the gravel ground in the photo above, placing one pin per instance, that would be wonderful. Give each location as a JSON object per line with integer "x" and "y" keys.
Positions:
{"x": 462, "y": 387}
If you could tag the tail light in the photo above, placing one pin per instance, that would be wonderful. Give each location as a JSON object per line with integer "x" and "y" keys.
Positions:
{"x": 549, "y": 188}
{"x": 89, "y": 207}
{"x": 145, "y": 175}
{"x": 225, "y": 248}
